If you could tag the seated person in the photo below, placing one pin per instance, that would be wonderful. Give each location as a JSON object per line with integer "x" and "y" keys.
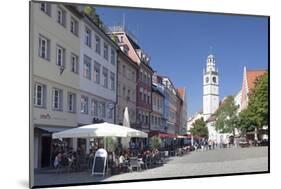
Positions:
{"x": 121, "y": 159}
{"x": 58, "y": 159}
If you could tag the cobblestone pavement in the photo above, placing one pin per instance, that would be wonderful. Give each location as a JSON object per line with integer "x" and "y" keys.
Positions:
{"x": 220, "y": 161}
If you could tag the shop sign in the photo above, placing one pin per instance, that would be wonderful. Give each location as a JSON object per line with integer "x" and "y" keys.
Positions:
{"x": 45, "y": 116}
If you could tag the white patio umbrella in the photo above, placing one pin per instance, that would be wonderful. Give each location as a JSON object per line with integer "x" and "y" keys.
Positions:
{"x": 126, "y": 123}
{"x": 99, "y": 130}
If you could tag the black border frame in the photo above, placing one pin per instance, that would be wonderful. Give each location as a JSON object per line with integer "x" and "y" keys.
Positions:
{"x": 152, "y": 179}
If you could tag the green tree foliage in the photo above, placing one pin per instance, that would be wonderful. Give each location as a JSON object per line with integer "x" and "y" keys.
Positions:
{"x": 91, "y": 12}
{"x": 246, "y": 124}
{"x": 155, "y": 142}
{"x": 226, "y": 116}
{"x": 256, "y": 114}
{"x": 199, "y": 128}
{"x": 111, "y": 143}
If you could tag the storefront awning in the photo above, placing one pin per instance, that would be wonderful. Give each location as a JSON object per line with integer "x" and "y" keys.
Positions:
{"x": 184, "y": 136}
{"x": 161, "y": 135}
{"x": 52, "y": 129}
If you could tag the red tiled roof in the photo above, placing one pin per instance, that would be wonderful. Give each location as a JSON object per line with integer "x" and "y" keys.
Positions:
{"x": 252, "y": 76}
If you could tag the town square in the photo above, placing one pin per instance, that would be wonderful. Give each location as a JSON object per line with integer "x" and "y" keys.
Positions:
{"x": 117, "y": 94}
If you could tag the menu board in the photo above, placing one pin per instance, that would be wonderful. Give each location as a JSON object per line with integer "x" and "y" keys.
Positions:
{"x": 99, "y": 164}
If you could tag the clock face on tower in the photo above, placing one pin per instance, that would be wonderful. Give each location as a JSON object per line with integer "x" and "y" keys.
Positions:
{"x": 207, "y": 79}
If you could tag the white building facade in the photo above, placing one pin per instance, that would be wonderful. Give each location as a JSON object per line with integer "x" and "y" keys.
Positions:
{"x": 210, "y": 88}
{"x": 55, "y": 54}
{"x": 72, "y": 82}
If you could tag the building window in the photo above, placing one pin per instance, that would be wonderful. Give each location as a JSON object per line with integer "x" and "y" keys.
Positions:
{"x": 71, "y": 102}
{"x": 110, "y": 113}
{"x": 105, "y": 77}
{"x": 60, "y": 56}
{"x": 133, "y": 76}
{"x": 105, "y": 51}
{"x": 97, "y": 72}
{"x": 88, "y": 37}
{"x": 39, "y": 95}
{"x": 129, "y": 95}
{"x": 124, "y": 92}
{"x": 112, "y": 81}
{"x": 141, "y": 75}
{"x": 74, "y": 26}
{"x": 140, "y": 95}
{"x": 87, "y": 67}
{"x": 144, "y": 96}
{"x": 144, "y": 78}
{"x": 45, "y": 7}
{"x": 98, "y": 44}
{"x": 103, "y": 113}
{"x": 94, "y": 107}
{"x": 61, "y": 17}
{"x": 44, "y": 47}
{"x": 112, "y": 57}
{"x": 84, "y": 104}
{"x": 57, "y": 99}
{"x": 74, "y": 63}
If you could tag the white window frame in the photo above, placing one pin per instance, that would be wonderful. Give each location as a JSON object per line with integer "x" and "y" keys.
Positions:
{"x": 46, "y": 9}
{"x": 42, "y": 95}
{"x": 60, "y": 57}
{"x": 59, "y": 99}
{"x": 74, "y": 26}
{"x": 61, "y": 16}
{"x": 88, "y": 37}
{"x": 112, "y": 59}
{"x": 87, "y": 67}
{"x": 98, "y": 44}
{"x": 112, "y": 81}
{"x": 46, "y": 47}
{"x": 105, "y": 51}
{"x": 71, "y": 102}
{"x": 84, "y": 104}
{"x": 94, "y": 107}
{"x": 97, "y": 71}
{"x": 74, "y": 63}
{"x": 110, "y": 113}
{"x": 103, "y": 109}
{"x": 105, "y": 77}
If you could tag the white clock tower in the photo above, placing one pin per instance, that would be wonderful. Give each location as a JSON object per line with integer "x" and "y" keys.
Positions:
{"x": 210, "y": 88}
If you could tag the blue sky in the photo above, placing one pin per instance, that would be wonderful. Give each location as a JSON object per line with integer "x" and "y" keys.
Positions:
{"x": 179, "y": 43}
